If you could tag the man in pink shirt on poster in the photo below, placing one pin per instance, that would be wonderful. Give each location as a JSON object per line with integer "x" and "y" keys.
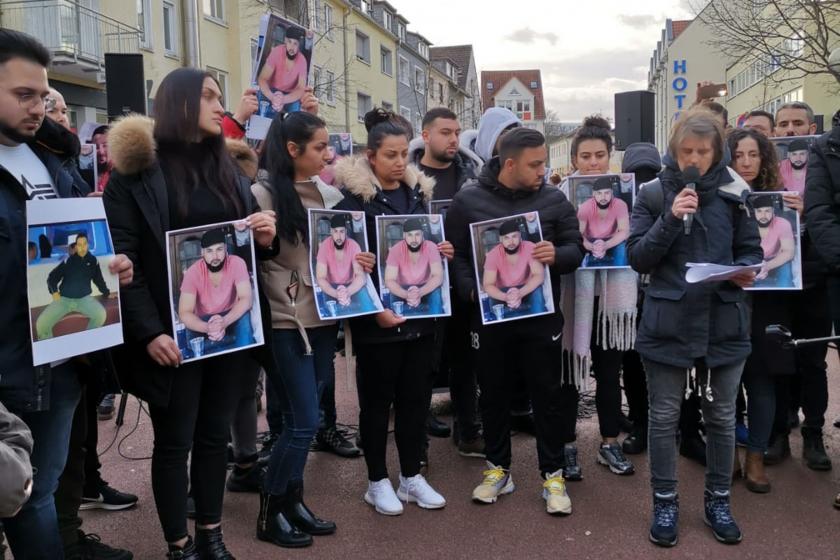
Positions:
{"x": 282, "y": 80}
{"x": 778, "y": 243}
{"x": 414, "y": 273}
{"x": 794, "y": 168}
{"x": 605, "y": 225}
{"x": 216, "y": 297}
{"x": 338, "y": 272}
{"x": 512, "y": 277}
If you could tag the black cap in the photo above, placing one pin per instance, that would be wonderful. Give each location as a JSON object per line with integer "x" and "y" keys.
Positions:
{"x": 212, "y": 237}
{"x": 797, "y": 145}
{"x": 509, "y": 226}
{"x": 602, "y": 183}
{"x": 762, "y": 201}
{"x": 412, "y": 224}
{"x": 338, "y": 220}
{"x": 294, "y": 32}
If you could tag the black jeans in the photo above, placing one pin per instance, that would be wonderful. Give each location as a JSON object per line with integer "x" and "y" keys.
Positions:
{"x": 198, "y": 417}
{"x": 606, "y": 367}
{"x": 530, "y": 348}
{"x": 635, "y": 388}
{"x": 463, "y": 387}
{"x": 395, "y": 373}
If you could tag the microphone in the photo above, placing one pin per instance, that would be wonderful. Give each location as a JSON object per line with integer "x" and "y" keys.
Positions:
{"x": 690, "y": 177}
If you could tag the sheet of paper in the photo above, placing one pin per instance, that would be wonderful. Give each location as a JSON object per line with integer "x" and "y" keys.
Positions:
{"x": 710, "y": 272}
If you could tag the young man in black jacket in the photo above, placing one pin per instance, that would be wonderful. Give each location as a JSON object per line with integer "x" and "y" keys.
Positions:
{"x": 511, "y": 184}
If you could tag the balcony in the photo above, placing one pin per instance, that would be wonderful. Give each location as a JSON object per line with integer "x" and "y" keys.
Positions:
{"x": 77, "y": 36}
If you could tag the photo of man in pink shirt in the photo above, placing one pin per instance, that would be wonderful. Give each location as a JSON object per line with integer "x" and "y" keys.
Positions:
{"x": 511, "y": 277}
{"x": 339, "y": 275}
{"x": 794, "y": 168}
{"x": 282, "y": 78}
{"x": 777, "y": 241}
{"x": 414, "y": 273}
{"x": 216, "y": 297}
{"x": 605, "y": 225}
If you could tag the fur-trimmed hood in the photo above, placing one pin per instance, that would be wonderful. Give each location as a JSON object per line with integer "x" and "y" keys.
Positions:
{"x": 245, "y": 157}
{"x": 355, "y": 174}
{"x": 131, "y": 144}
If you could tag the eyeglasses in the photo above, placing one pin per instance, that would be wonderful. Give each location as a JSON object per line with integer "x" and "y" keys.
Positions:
{"x": 31, "y": 100}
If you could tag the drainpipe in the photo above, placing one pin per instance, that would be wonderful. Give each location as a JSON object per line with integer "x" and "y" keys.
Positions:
{"x": 344, "y": 13}
{"x": 191, "y": 33}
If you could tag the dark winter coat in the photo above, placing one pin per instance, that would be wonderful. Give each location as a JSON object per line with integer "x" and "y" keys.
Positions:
{"x": 822, "y": 198}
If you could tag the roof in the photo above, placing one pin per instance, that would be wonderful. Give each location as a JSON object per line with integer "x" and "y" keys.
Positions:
{"x": 678, "y": 26}
{"x": 502, "y": 77}
{"x": 460, "y": 55}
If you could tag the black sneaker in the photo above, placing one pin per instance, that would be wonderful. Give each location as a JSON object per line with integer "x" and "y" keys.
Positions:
{"x": 333, "y": 440}
{"x": 105, "y": 412}
{"x": 91, "y": 547}
{"x": 718, "y": 516}
{"x": 813, "y": 450}
{"x": 245, "y": 480}
{"x": 107, "y": 498}
{"x": 571, "y": 470}
{"x": 436, "y": 427}
{"x": 610, "y": 455}
{"x": 664, "y": 529}
{"x": 636, "y": 442}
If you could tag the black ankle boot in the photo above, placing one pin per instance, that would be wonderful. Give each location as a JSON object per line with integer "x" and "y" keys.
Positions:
{"x": 210, "y": 546}
{"x": 636, "y": 442}
{"x": 273, "y": 526}
{"x": 186, "y": 552}
{"x": 301, "y": 516}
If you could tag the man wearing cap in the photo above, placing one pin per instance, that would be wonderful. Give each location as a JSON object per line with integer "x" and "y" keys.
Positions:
{"x": 69, "y": 283}
{"x": 338, "y": 273}
{"x": 216, "y": 296}
{"x": 778, "y": 244}
{"x": 282, "y": 80}
{"x": 414, "y": 272}
{"x": 605, "y": 225}
{"x": 794, "y": 167}
{"x": 512, "y": 276}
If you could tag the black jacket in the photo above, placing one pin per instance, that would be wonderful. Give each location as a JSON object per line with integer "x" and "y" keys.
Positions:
{"x": 466, "y": 165}
{"x": 137, "y": 207}
{"x": 487, "y": 199}
{"x": 682, "y": 322}
{"x": 24, "y": 388}
{"x": 822, "y": 198}
{"x": 362, "y": 193}
{"x": 72, "y": 277}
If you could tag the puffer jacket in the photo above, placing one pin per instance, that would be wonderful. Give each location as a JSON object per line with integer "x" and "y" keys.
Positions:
{"x": 682, "y": 322}
{"x": 822, "y": 198}
{"x": 363, "y": 193}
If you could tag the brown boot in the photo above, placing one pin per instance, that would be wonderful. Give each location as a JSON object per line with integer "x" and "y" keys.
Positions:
{"x": 757, "y": 480}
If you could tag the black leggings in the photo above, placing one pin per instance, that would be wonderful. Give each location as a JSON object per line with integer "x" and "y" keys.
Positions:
{"x": 606, "y": 368}
{"x": 204, "y": 395}
{"x": 398, "y": 373}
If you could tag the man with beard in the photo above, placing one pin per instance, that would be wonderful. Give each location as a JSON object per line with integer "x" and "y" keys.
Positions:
{"x": 512, "y": 277}
{"x": 216, "y": 296}
{"x": 778, "y": 244}
{"x": 338, "y": 273}
{"x": 414, "y": 272}
{"x": 605, "y": 225}
{"x": 794, "y": 167}
{"x": 282, "y": 80}
{"x": 439, "y": 155}
{"x": 795, "y": 119}
{"x": 103, "y": 161}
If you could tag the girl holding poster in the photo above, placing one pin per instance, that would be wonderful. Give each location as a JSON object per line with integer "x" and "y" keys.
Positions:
{"x": 187, "y": 179}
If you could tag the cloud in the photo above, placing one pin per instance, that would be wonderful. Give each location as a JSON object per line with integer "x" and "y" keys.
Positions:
{"x": 640, "y": 20}
{"x": 527, "y": 36}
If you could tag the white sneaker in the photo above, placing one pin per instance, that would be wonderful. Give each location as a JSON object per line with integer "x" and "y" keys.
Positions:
{"x": 381, "y": 496}
{"x": 556, "y": 498}
{"x": 416, "y": 489}
{"x": 497, "y": 481}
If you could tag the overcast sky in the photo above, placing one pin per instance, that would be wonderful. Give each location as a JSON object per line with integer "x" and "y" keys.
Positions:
{"x": 587, "y": 51}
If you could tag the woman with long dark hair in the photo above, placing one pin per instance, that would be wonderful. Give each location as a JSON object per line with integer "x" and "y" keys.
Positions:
{"x": 294, "y": 153}
{"x": 395, "y": 355}
{"x": 171, "y": 173}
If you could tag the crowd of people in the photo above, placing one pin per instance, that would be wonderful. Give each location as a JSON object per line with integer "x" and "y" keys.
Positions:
{"x": 685, "y": 352}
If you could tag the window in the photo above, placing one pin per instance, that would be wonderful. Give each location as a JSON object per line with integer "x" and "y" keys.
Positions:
{"x": 386, "y": 61}
{"x": 222, "y": 78}
{"x": 405, "y": 112}
{"x": 423, "y": 48}
{"x": 362, "y": 47}
{"x": 489, "y": 86}
{"x": 328, "y": 19}
{"x": 329, "y": 87}
{"x": 365, "y": 6}
{"x": 794, "y": 47}
{"x": 144, "y": 23}
{"x": 401, "y": 31}
{"x": 418, "y": 124}
{"x": 170, "y": 28}
{"x": 363, "y": 105}
{"x": 534, "y": 84}
{"x": 388, "y": 20}
{"x": 440, "y": 92}
{"x": 419, "y": 79}
{"x": 255, "y": 49}
{"x": 316, "y": 80}
{"x": 316, "y": 9}
{"x": 402, "y": 71}
{"x": 215, "y": 9}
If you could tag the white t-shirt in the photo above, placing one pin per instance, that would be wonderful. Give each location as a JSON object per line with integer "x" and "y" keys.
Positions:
{"x": 30, "y": 171}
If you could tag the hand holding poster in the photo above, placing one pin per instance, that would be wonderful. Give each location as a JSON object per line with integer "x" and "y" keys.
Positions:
{"x": 413, "y": 274}
{"x": 213, "y": 290}
{"x": 511, "y": 283}
{"x": 73, "y": 298}
{"x": 342, "y": 287}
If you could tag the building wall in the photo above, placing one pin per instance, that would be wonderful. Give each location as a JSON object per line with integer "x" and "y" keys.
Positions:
{"x": 411, "y": 97}
{"x": 472, "y": 101}
{"x": 329, "y": 60}
{"x": 439, "y": 89}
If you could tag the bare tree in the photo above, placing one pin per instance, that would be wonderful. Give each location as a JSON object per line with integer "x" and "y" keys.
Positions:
{"x": 797, "y": 36}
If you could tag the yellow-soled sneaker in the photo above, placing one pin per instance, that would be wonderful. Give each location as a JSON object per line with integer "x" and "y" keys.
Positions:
{"x": 497, "y": 481}
{"x": 557, "y": 501}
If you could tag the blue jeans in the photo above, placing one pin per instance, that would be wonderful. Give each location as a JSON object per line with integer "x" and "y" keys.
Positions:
{"x": 360, "y": 302}
{"x": 430, "y": 304}
{"x": 532, "y": 303}
{"x": 268, "y": 111}
{"x": 781, "y": 277}
{"x": 298, "y": 384}
{"x": 33, "y": 532}
{"x": 237, "y": 335}
{"x": 617, "y": 256}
